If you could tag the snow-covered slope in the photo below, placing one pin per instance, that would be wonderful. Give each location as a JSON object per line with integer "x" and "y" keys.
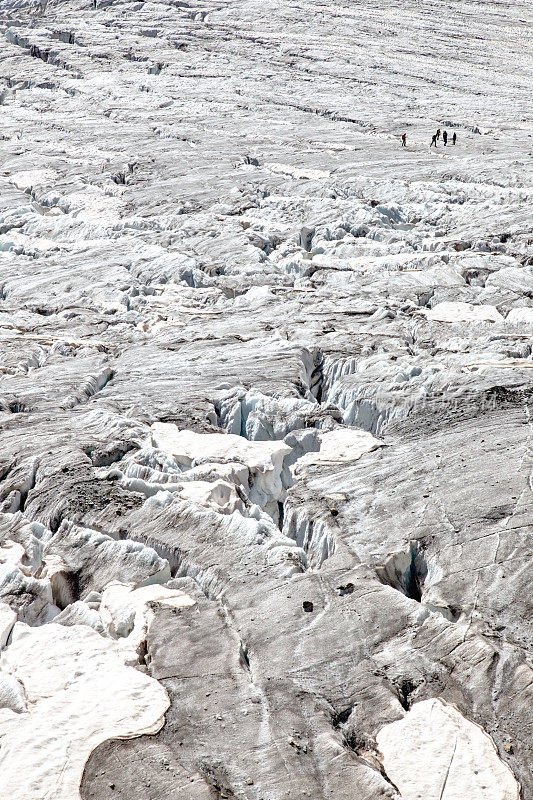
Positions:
{"x": 265, "y": 408}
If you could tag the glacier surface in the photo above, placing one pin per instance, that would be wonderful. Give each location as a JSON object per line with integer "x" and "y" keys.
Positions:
{"x": 265, "y": 410}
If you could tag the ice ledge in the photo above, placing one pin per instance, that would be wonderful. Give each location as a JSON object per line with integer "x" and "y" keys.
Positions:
{"x": 337, "y": 447}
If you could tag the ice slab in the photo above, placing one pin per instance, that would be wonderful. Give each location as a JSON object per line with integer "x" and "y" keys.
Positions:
{"x": 463, "y": 312}
{"x": 125, "y": 611}
{"x": 80, "y": 692}
{"x": 336, "y": 447}
{"x": 518, "y": 315}
{"x": 263, "y": 459}
{"x": 434, "y": 753}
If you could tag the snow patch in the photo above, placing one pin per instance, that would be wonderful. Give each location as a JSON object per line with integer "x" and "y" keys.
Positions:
{"x": 462, "y": 312}
{"x": 341, "y": 446}
{"x": 435, "y": 753}
{"x": 82, "y": 693}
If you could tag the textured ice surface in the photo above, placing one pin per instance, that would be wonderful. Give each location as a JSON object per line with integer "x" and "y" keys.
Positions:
{"x": 264, "y": 460}
{"x": 265, "y": 407}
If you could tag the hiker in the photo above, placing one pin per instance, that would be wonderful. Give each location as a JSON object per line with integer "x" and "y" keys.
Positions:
{"x": 438, "y": 133}
{"x": 454, "y": 138}
{"x": 445, "y": 137}
{"x": 433, "y": 140}
{"x": 404, "y": 140}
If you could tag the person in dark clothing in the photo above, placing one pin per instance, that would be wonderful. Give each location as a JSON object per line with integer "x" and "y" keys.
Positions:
{"x": 404, "y": 140}
{"x": 454, "y": 138}
{"x": 445, "y": 137}
{"x": 438, "y": 134}
{"x": 433, "y": 140}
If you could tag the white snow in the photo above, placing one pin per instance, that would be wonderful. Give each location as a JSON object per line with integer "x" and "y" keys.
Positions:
{"x": 263, "y": 459}
{"x": 33, "y": 177}
{"x": 219, "y": 495}
{"x": 463, "y": 312}
{"x": 12, "y": 553}
{"x": 340, "y": 446}
{"x": 517, "y": 316}
{"x": 125, "y": 611}
{"x": 34, "y": 595}
{"x": 434, "y": 753}
{"x": 295, "y": 172}
{"x": 80, "y": 691}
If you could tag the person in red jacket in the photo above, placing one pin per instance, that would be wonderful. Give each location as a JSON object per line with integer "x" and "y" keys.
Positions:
{"x": 404, "y": 140}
